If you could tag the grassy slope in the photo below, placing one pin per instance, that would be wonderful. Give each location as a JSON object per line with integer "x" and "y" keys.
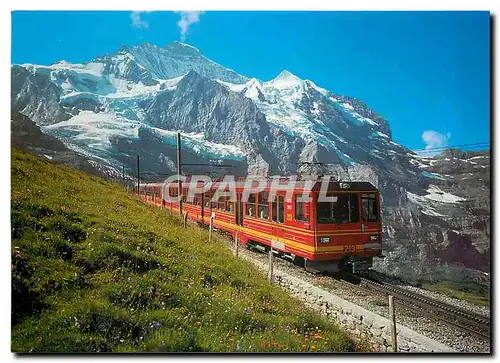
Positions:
{"x": 471, "y": 292}
{"x": 95, "y": 270}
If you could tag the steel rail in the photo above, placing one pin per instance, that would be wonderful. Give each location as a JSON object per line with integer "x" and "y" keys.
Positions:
{"x": 449, "y": 314}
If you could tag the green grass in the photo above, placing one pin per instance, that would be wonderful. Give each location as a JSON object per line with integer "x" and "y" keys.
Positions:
{"x": 474, "y": 293}
{"x": 93, "y": 269}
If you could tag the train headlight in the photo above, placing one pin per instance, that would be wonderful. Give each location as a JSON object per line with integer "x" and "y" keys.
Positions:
{"x": 324, "y": 240}
{"x": 374, "y": 237}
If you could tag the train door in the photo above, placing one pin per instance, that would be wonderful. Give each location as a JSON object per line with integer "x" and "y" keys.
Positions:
{"x": 278, "y": 218}
{"x": 370, "y": 225}
{"x": 239, "y": 210}
{"x": 203, "y": 199}
{"x": 207, "y": 206}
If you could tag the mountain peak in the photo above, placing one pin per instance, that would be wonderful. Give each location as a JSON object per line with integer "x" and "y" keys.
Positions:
{"x": 286, "y": 79}
{"x": 254, "y": 82}
{"x": 286, "y": 74}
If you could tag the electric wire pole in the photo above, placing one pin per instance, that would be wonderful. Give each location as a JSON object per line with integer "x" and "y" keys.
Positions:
{"x": 179, "y": 172}
{"x": 138, "y": 180}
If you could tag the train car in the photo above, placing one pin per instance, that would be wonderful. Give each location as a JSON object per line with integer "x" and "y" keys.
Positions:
{"x": 341, "y": 234}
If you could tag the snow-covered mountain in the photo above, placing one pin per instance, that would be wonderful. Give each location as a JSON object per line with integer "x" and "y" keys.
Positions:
{"x": 135, "y": 100}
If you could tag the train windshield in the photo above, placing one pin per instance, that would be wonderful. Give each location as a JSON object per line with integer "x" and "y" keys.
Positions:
{"x": 369, "y": 207}
{"x": 344, "y": 209}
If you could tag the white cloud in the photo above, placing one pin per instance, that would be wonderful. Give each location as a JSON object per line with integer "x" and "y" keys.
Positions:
{"x": 137, "y": 21}
{"x": 433, "y": 140}
{"x": 188, "y": 18}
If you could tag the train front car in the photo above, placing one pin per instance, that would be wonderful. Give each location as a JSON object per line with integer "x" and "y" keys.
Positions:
{"x": 347, "y": 227}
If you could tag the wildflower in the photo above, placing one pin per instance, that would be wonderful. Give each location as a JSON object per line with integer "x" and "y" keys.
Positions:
{"x": 156, "y": 324}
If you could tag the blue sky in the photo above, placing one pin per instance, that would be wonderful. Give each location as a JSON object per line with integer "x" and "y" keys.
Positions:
{"x": 427, "y": 73}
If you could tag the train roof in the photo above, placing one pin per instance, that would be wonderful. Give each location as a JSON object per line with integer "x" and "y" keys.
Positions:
{"x": 284, "y": 185}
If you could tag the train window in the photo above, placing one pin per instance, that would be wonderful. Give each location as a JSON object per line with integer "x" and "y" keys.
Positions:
{"x": 206, "y": 197}
{"x": 281, "y": 209}
{"x": 263, "y": 205}
{"x": 197, "y": 199}
{"x": 224, "y": 203}
{"x": 229, "y": 205}
{"x": 221, "y": 203}
{"x": 344, "y": 210}
{"x": 250, "y": 206}
{"x": 301, "y": 209}
{"x": 369, "y": 207}
{"x": 275, "y": 210}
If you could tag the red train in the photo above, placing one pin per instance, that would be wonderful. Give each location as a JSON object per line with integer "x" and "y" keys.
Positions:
{"x": 324, "y": 236}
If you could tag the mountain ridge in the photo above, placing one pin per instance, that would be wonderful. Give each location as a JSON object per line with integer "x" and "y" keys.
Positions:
{"x": 119, "y": 105}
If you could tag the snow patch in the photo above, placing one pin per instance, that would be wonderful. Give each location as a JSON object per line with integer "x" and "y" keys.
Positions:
{"x": 347, "y": 106}
{"x": 438, "y": 195}
{"x": 198, "y": 143}
{"x": 381, "y": 134}
{"x": 232, "y": 86}
{"x": 323, "y": 91}
{"x": 423, "y": 203}
{"x": 286, "y": 80}
{"x": 93, "y": 130}
{"x": 432, "y": 175}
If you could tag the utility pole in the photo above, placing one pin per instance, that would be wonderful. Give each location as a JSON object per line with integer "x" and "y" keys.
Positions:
{"x": 123, "y": 174}
{"x": 179, "y": 172}
{"x": 392, "y": 319}
{"x": 138, "y": 180}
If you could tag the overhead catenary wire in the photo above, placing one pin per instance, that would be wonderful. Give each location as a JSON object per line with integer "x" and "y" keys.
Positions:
{"x": 478, "y": 146}
{"x": 471, "y": 145}
{"x": 438, "y": 152}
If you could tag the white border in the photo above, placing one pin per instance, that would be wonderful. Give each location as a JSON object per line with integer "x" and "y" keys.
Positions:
{"x": 5, "y": 24}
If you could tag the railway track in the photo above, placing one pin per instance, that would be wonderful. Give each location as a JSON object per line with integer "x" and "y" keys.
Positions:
{"x": 461, "y": 319}
{"x": 451, "y": 315}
